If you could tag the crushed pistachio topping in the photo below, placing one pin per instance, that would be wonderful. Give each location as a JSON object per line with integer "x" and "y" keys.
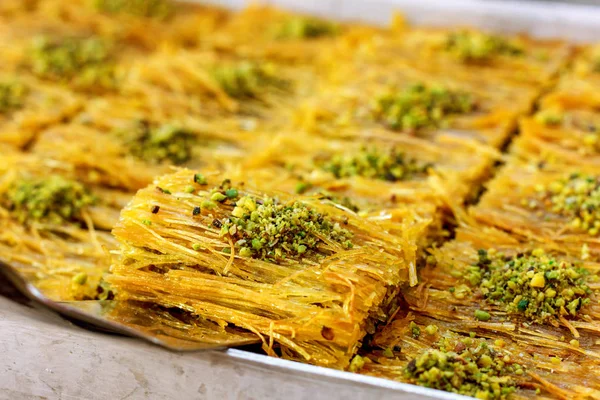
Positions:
{"x": 482, "y": 315}
{"x": 357, "y": 363}
{"x": 388, "y": 165}
{"x": 577, "y": 197}
{"x": 467, "y": 366}
{"x": 80, "y": 279}
{"x": 85, "y": 61}
{"x": 269, "y": 230}
{"x": 305, "y": 28}
{"x": 247, "y": 79}
{"x": 53, "y": 199}
{"x": 159, "y": 9}
{"x": 535, "y": 285}
{"x": 415, "y": 330}
{"x": 157, "y": 144}
{"x": 302, "y": 187}
{"x": 477, "y": 47}
{"x": 12, "y": 96}
{"x": 420, "y": 106}
{"x": 431, "y": 330}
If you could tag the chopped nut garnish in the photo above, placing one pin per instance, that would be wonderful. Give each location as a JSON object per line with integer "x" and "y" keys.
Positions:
{"x": 357, "y": 363}
{"x": 142, "y": 8}
{"x": 51, "y": 199}
{"x": 85, "y": 62}
{"x": 477, "y": 47}
{"x": 302, "y": 187}
{"x": 12, "y": 96}
{"x": 247, "y": 79}
{"x": 577, "y": 197}
{"x": 414, "y": 329}
{"x": 305, "y": 28}
{"x": 482, "y": 315}
{"x": 469, "y": 367}
{"x": 80, "y": 279}
{"x": 200, "y": 179}
{"x": 391, "y": 165}
{"x": 164, "y": 143}
{"x": 534, "y": 285}
{"x": 420, "y": 106}
{"x": 269, "y": 230}
{"x": 431, "y": 329}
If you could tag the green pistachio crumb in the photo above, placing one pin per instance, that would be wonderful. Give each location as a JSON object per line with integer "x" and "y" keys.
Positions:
{"x": 189, "y": 189}
{"x": 388, "y": 352}
{"x": 12, "y": 96}
{"x": 472, "y": 369}
{"x": 85, "y": 62}
{"x": 534, "y": 285}
{"x": 302, "y": 187}
{"x": 414, "y": 329}
{"x": 200, "y": 179}
{"x": 419, "y": 107}
{"x": 269, "y": 230}
{"x": 159, "y": 9}
{"x": 218, "y": 197}
{"x": 357, "y": 363}
{"x": 80, "y": 279}
{"x": 53, "y": 199}
{"x": 157, "y": 144}
{"x": 196, "y": 246}
{"x": 431, "y": 329}
{"x": 482, "y": 315}
{"x": 477, "y": 47}
{"x": 577, "y": 197}
{"x": 231, "y": 194}
{"x": 208, "y": 205}
{"x": 146, "y": 222}
{"x": 305, "y": 28}
{"x": 247, "y": 79}
{"x": 388, "y": 165}
{"x": 246, "y": 252}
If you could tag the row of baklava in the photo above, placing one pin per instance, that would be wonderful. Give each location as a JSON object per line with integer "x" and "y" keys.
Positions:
{"x": 326, "y": 160}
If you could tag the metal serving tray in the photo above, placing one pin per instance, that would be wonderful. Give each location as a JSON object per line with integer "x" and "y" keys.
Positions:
{"x": 48, "y": 358}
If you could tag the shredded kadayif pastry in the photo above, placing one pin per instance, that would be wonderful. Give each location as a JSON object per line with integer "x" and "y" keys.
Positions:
{"x": 338, "y": 193}
{"x": 298, "y": 272}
